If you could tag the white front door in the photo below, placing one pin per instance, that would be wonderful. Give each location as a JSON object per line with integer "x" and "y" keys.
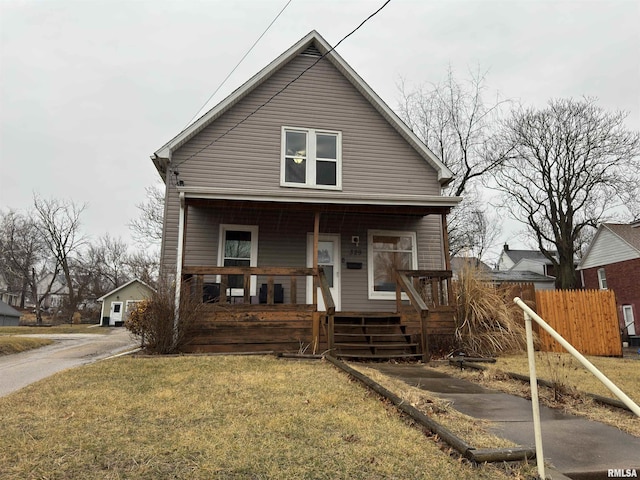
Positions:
{"x": 116, "y": 313}
{"x": 329, "y": 258}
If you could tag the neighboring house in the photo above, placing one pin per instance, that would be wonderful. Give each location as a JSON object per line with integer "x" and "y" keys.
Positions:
{"x": 612, "y": 262}
{"x": 9, "y": 316}
{"x": 117, "y": 304}
{"x": 303, "y": 167}
{"x": 540, "y": 282}
{"x": 8, "y": 295}
{"x": 528, "y": 266}
{"x": 525, "y": 260}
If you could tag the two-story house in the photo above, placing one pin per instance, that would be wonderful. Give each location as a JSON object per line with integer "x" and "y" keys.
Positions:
{"x": 308, "y": 216}
{"x": 612, "y": 262}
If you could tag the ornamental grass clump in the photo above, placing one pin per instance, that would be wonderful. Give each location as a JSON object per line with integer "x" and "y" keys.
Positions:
{"x": 488, "y": 323}
{"x": 154, "y": 320}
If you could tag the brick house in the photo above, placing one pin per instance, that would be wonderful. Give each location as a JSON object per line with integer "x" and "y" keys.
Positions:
{"x": 613, "y": 262}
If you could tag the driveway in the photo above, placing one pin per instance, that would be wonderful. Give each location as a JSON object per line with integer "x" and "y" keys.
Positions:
{"x": 68, "y": 351}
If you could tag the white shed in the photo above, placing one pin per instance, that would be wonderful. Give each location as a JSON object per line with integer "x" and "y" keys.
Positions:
{"x": 119, "y": 302}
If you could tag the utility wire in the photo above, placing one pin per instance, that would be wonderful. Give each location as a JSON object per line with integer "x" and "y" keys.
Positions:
{"x": 238, "y": 64}
{"x": 283, "y": 88}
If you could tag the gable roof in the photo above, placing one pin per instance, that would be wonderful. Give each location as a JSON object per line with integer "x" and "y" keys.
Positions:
{"x": 162, "y": 156}
{"x": 627, "y": 233}
{"x": 124, "y": 286}
{"x": 533, "y": 255}
{"x": 8, "y": 311}
{"x": 518, "y": 276}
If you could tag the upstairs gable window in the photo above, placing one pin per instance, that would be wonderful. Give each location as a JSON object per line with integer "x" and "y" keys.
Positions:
{"x": 311, "y": 158}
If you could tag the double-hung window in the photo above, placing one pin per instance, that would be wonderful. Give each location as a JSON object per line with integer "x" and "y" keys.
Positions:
{"x": 311, "y": 158}
{"x": 602, "y": 279}
{"x": 387, "y": 252}
{"x": 238, "y": 247}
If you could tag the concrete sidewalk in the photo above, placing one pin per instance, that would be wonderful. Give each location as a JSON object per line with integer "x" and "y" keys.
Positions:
{"x": 577, "y": 447}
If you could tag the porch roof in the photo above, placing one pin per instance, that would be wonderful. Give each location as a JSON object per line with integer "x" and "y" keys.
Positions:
{"x": 313, "y": 200}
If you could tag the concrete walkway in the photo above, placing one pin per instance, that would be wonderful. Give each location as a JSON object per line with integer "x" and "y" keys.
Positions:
{"x": 69, "y": 350}
{"x": 579, "y": 448}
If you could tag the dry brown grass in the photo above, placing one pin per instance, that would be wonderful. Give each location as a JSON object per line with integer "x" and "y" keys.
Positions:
{"x": 574, "y": 381}
{"x": 487, "y": 322}
{"x": 214, "y": 417}
{"x": 64, "y": 328}
{"x": 12, "y": 344}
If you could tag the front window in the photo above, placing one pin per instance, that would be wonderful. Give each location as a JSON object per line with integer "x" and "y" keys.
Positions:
{"x": 602, "y": 279}
{"x": 389, "y": 251}
{"x": 311, "y": 158}
{"x": 238, "y": 248}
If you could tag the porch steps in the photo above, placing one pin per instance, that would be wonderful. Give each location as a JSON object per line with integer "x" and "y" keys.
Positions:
{"x": 374, "y": 337}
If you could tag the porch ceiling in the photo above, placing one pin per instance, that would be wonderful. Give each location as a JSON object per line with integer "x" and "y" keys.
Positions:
{"x": 415, "y": 205}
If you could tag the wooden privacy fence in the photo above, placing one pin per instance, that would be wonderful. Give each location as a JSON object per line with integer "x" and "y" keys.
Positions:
{"x": 587, "y": 319}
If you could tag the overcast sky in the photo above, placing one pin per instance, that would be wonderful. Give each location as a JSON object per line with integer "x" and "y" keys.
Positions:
{"x": 89, "y": 89}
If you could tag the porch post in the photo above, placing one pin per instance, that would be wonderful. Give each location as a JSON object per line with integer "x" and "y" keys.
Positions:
{"x": 447, "y": 258}
{"x": 315, "y": 327}
{"x": 179, "y": 263}
{"x": 316, "y": 236}
{"x": 445, "y": 242}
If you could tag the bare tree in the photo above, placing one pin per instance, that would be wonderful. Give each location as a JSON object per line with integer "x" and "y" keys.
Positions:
{"x": 21, "y": 249}
{"x": 147, "y": 228}
{"x": 568, "y": 167}
{"x": 454, "y": 121}
{"x": 110, "y": 257}
{"x": 144, "y": 266}
{"x": 23, "y": 260}
{"x": 58, "y": 223}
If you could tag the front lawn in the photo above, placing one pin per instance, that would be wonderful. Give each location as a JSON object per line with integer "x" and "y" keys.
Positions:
{"x": 214, "y": 417}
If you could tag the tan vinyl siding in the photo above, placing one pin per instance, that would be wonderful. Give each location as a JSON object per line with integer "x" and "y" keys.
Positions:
{"x": 375, "y": 157}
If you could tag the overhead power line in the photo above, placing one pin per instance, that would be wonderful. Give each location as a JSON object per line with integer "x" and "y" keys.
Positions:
{"x": 238, "y": 64}
{"x": 283, "y": 88}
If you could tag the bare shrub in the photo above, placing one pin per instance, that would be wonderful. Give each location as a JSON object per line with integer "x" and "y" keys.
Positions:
{"x": 487, "y": 321}
{"x": 153, "y": 320}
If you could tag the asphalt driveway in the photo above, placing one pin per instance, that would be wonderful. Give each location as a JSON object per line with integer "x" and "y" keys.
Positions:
{"x": 68, "y": 351}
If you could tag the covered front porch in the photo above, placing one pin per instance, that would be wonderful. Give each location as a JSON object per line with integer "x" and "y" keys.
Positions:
{"x": 352, "y": 279}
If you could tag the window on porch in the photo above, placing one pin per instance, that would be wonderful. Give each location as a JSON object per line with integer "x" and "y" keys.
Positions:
{"x": 389, "y": 251}
{"x": 238, "y": 248}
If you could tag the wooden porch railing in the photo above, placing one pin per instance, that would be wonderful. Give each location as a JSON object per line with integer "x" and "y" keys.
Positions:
{"x": 194, "y": 283}
{"x": 425, "y": 289}
{"x": 195, "y": 276}
{"x": 330, "y": 308}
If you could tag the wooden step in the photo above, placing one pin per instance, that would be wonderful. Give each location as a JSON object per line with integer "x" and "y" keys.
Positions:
{"x": 380, "y": 337}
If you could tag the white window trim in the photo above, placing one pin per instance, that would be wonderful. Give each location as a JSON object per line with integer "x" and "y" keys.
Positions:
{"x": 602, "y": 279}
{"x": 253, "y": 260}
{"x": 311, "y": 158}
{"x": 373, "y": 295}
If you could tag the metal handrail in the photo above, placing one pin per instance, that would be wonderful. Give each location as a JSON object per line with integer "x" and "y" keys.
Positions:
{"x": 529, "y": 314}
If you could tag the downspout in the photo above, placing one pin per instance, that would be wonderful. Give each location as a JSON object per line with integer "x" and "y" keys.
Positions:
{"x": 179, "y": 257}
